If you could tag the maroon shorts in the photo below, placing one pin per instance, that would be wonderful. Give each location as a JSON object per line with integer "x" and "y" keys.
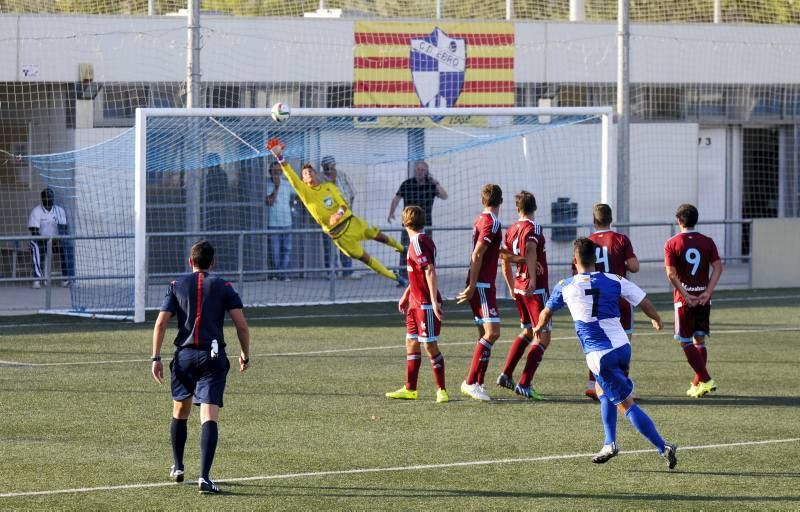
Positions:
{"x": 530, "y": 306}
{"x": 421, "y": 324}
{"x": 691, "y": 321}
{"x": 484, "y": 304}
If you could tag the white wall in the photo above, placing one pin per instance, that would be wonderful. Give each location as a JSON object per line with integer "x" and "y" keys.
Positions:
{"x": 139, "y": 49}
{"x": 775, "y": 245}
{"x": 308, "y": 50}
{"x": 711, "y": 182}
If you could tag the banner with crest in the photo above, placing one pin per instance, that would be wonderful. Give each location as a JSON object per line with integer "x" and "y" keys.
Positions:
{"x": 433, "y": 64}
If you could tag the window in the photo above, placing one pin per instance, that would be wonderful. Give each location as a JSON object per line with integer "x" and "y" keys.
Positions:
{"x": 706, "y": 101}
{"x": 658, "y": 102}
{"x": 339, "y": 95}
{"x": 119, "y": 103}
{"x": 223, "y": 96}
{"x": 165, "y": 95}
{"x": 573, "y": 95}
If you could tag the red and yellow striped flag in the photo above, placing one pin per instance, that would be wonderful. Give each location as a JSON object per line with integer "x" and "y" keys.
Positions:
{"x": 433, "y": 64}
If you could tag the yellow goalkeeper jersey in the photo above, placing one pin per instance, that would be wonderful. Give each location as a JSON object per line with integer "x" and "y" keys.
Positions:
{"x": 321, "y": 201}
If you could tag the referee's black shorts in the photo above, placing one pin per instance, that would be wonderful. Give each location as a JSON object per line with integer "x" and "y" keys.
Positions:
{"x": 196, "y": 374}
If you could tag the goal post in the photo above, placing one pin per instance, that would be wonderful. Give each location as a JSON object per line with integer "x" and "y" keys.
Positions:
{"x": 487, "y": 134}
{"x": 140, "y": 216}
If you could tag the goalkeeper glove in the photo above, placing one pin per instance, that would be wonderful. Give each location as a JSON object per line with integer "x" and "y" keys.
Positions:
{"x": 276, "y": 147}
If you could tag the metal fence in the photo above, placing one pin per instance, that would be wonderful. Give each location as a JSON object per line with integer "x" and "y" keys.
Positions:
{"x": 324, "y": 283}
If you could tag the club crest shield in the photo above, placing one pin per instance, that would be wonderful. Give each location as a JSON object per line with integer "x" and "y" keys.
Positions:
{"x": 438, "y": 62}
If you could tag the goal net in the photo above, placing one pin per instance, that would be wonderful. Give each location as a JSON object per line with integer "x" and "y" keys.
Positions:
{"x": 182, "y": 175}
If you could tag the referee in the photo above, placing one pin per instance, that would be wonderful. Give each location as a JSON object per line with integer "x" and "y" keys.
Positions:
{"x": 200, "y": 365}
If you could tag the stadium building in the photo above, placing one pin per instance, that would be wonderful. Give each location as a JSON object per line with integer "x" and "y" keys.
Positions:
{"x": 715, "y": 111}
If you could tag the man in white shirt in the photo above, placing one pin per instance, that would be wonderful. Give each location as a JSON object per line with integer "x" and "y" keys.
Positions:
{"x": 48, "y": 219}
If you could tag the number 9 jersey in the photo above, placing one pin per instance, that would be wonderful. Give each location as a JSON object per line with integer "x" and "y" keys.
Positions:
{"x": 692, "y": 254}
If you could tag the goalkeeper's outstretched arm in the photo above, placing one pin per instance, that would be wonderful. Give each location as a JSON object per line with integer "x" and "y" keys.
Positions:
{"x": 276, "y": 147}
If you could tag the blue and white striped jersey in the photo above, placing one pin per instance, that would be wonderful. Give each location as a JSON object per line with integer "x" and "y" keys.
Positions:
{"x": 593, "y": 301}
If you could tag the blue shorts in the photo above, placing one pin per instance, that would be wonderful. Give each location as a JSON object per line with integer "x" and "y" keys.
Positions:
{"x": 611, "y": 376}
{"x": 196, "y": 374}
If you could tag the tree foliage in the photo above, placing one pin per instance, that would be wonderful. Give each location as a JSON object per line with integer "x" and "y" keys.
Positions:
{"x": 674, "y": 11}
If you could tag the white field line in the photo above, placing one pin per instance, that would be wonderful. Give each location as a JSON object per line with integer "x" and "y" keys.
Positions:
{"x": 363, "y": 349}
{"x": 361, "y": 471}
{"x": 395, "y": 313}
{"x": 743, "y": 298}
{"x": 506, "y": 309}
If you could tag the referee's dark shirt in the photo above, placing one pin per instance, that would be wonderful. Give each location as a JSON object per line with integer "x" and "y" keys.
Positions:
{"x": 200, "y": 300}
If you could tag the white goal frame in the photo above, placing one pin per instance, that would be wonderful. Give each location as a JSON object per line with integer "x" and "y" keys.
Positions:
{"x": 607, "y": 178}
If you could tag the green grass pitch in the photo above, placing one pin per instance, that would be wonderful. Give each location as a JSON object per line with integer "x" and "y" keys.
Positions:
{"x": 84, "y": 426}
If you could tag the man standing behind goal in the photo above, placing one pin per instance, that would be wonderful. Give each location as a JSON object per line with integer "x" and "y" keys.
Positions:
{"x": 687, "y": 258}
{"x": 420, "y": 191}
{"x": 422, "y": 305}
{"x": 481, "y": 291}
{"x": 614, "y": 252}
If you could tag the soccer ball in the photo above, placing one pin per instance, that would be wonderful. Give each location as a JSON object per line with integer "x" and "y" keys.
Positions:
{"x": 280, "y": 112}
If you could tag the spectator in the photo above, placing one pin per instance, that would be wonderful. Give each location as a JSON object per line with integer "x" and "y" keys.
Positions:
{"x": 216, "y": 181}
{"x": 279, "y": 218}
{"x": 49, "y": 219}
{"x": 341, "y": 180}
{"x": 420, "y": 191}
{"x": 217, "y": 212}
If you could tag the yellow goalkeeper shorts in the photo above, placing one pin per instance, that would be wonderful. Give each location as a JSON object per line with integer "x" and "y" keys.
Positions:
{"x": 349, "y": 240}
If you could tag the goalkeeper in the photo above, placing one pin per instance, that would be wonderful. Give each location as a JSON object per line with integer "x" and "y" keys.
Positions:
{"x": 324, "y": 202}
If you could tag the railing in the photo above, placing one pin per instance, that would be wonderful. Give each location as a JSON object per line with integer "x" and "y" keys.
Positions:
{"x": 558, "y": 256}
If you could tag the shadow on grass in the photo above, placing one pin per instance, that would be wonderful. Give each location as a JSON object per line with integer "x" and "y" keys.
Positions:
{"x": 724, "y": 401}
{"x": 754, "y": 474}
{"x": 708, "y": 401}
{"x": 439, "y": 493}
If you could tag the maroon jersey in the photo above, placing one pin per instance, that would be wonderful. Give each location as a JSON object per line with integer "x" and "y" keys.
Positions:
{"x": 692, "y": 254}
{"x": 487, "y": 229}
{"x": 516, "y": 239}
{"x": 613, "y": 250}
{"x": 421, "y": 253}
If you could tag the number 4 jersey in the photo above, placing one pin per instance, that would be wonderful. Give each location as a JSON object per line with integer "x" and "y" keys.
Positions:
{"x": 613, "y": 251}
{"x": 593, "y": 302}
{"x": 692, "y": 254}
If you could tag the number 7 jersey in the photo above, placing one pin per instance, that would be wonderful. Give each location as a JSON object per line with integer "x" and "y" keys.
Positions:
{"x": 692, "y": 254}
{"x": 593, "y": 302}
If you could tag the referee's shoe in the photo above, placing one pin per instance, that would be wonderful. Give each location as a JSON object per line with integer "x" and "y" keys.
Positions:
{"x": 175, "y": 474}
{"x": 207, "y": 486}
